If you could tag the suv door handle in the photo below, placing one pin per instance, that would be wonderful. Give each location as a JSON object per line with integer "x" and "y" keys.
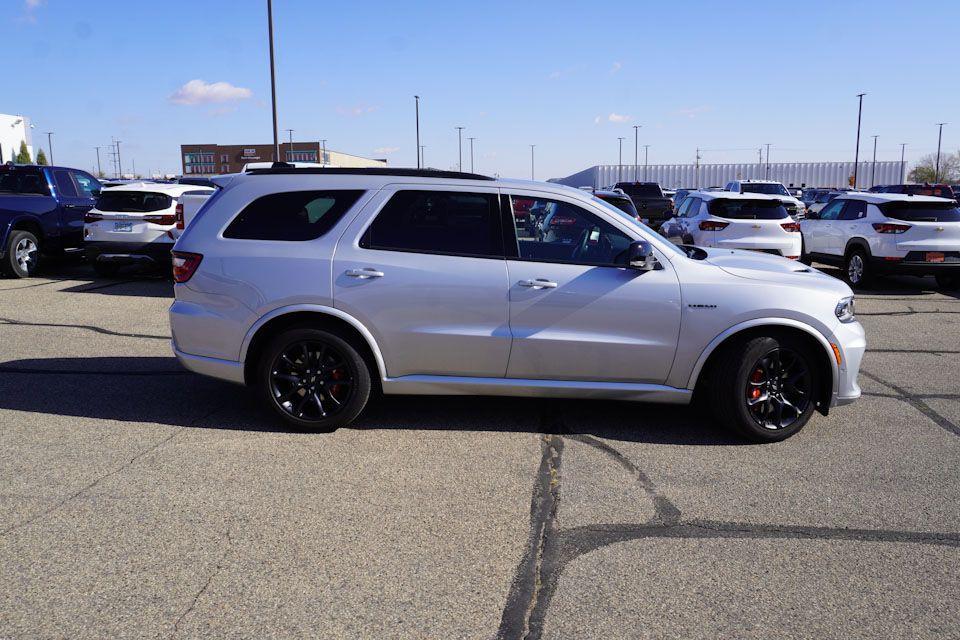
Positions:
{"x": 364, "y": 273}
{"x": 539, "y": 283}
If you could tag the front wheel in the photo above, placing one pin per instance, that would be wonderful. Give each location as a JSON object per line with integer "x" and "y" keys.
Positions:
{"x": 314, "y": 379}
{"x": 22, "y": 255}
{"x": 764, "y": 388}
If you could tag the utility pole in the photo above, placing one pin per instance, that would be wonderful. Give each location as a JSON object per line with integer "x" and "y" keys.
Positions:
{"x": 767, "y": 172}
{"x": 423, "y": 161}
{"x": 903, "y": 146}
{"x": 936, "y": 172}
{"x": 636, "y": 131}
{"x": 697, "y": 169}
{"x": 471, "y": 153}
{"x": 419, "y": 148}
{"x": 116, "y": 146}
{"x": 856, "y": 156}
{"x": 646, "y": 155}
{"x": 324, "y": 159}
{"x": 873, "y": 168}
{"x": 273, "y": 83}
{"x": 290, "y": 144}
{"x": 50, "y": 144}
{"x": 620, "y": 162}
{"x": 532, "y": 174}
{"x": 99, "y": 170}
{"x": 460, "y": 148}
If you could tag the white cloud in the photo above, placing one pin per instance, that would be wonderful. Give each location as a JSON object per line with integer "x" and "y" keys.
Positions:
{"x": 616, "y": 117}
{"x": 616, "y": 67}
{"x": 200, "y": 92}
{"x": 691, "y": 112}
{"x": 356, "y": 111}
{"x": 597, "y": 119}
{"x": 386, "y": 150}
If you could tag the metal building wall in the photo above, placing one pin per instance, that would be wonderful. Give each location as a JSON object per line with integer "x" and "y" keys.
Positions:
{"x": 810, "y": 174}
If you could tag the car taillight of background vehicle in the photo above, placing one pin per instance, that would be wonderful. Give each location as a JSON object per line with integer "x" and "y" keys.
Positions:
{"x": 562, "y": 221}
{"x": 165, "y": 219}
{"x": 184, "y": 265}
{"x": 886, "y": 227}
{"x": 793, "y": 227}
{"x": 92, "y": 217}
{"x": 179, "y": 216}
{"x": 713, "y": 225}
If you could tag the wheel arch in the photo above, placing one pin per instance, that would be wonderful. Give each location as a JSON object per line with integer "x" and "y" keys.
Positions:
{"x": 22, "y": 223}
{"x": 826, "y": 361}
{"x": 854, "y": 243}
{"x": 315, "y": 315}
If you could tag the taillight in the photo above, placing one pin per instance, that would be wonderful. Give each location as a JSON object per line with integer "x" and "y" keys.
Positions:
{"x": 179, "y": 216}
{"x": 713, "y": 225}
{"x": 92, "y": 217}
{"x": 888, "y": 227}
{"x": 184, "y": 265}
{"x": 791, "y": 226}
{"x": 164, "y": 219}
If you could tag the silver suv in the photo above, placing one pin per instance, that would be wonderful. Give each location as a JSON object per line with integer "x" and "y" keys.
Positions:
{"x": 320, "y": 287}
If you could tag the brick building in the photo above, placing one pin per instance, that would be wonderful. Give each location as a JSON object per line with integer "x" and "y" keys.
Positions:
{"x": 211, "y": 159}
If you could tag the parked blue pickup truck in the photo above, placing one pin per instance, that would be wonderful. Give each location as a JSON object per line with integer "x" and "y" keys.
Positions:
{"x": 41, "y": 212}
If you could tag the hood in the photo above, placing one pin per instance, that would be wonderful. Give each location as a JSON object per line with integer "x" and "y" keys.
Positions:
{"x": 770, "y": 268}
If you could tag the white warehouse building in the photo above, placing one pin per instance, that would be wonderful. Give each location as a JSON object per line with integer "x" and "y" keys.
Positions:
{"x": 791, "y": 174}
{"x": 13, "y": 131}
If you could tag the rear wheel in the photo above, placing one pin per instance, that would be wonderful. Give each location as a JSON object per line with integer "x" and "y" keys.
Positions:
{"x": 314, "y": 379}
{"x": 22, "y": 254}
{"x": 764, "y": 388}
{"x": 948, "y": 282}
{"x": 856, "y": 270}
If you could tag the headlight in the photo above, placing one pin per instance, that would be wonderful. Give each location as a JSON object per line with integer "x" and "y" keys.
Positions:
{"x": 844, "y": 310}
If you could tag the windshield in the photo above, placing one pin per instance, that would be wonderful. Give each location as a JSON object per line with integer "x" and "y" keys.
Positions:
{"x": 826, "y": 197}
{"x": 624, "y": 204}
{"x": 769, "y": 188}
{"x": 922, "y": 211}
{"x": 747, "y": 209}
{"x": 133, "y": 201}
{"x": 635, "y": 222}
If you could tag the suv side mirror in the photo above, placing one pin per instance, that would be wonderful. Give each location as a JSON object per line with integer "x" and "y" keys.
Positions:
{"x": 640, "y": 256}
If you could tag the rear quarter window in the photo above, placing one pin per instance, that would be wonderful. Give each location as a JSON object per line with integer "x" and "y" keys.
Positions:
{"x": 921, "y": 211}
{"x": 292, "y": 216}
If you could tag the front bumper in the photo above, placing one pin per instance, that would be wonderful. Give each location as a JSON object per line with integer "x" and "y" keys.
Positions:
{"x": 851, "y": 339}
{"x": 157, "y": 253}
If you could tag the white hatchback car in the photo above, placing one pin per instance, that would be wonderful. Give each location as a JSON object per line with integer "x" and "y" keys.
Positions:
{"x": 317, "y": 287}
{"x": 869, "y": 234}
{"x": 134, "y": 224}
{"x": 735, "y": 221}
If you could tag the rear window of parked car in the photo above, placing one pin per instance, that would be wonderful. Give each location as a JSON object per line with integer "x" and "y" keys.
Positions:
{"x": 445, "y": 222}
{"x": 23, "y": 182}
{"x": 747, "y": 209}
{"x": 624, "y": 204}
{"x": 133, "y": 201}
{"x": 291, "y": 216}
{"x": 641, "y": 190}
{"x": 922, "y": 211}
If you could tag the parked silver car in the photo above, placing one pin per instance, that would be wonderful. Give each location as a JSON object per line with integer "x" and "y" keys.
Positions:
{"x": 318, "y": 287}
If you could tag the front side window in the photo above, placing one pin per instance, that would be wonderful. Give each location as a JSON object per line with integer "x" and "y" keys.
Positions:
{"x": 832, "y": 210}
{"x": 566, "y": 233}
{"x": 292, "y": 216}
{"x": 65, "y": 185}
{"x": 442, "y": 222}
{"x": 747, "y": 209}
{"x": 87, "y": 184}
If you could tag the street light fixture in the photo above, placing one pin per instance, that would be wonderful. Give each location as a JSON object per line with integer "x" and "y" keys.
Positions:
{"x": 856, "y": 156}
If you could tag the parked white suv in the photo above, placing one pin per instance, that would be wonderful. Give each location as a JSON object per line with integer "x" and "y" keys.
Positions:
{"x": 869, "y": 234}
{"x": 134, "y": 223}
{"x": 318, "y": 286}
{"x": 794, "y": 205}
{"x": 734, "y": 221}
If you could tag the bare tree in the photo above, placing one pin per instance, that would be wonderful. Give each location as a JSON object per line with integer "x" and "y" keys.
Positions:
{"x": 925, "y": 170}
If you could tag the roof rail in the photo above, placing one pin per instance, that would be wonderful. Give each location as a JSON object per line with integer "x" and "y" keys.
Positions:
{"x": 283, "y": 168}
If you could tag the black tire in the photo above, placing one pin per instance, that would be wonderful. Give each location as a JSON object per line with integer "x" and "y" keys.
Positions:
{"x": 805, "y": 258}
{"x": 856, "y": 269}
{"x": 733, "y": 379}
{"x": 948, "y": 281}
{"x": 22, "y": 255}
{"x": 105, "y": 269}
{"x": 322, "y": 398}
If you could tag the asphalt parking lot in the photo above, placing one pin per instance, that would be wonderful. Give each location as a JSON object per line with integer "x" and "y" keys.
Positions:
{"x": 140, "y": 500}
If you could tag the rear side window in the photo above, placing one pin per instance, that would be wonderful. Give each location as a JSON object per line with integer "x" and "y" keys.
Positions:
{"x": 133, "y": 201}
{"x": 445, "y": 222}
{"x": 23, "y": 182}
{"x": 854, "y": 210}
{"x": 291, "y": 216}
{"x": 747, "y": 209}
{"x": 922, "y": 211}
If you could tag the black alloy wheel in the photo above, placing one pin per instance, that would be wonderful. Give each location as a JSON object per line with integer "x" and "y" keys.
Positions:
{"x": 778, "y": 389}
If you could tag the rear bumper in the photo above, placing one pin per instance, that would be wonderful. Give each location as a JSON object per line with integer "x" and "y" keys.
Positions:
{"x": 914, "y": 268}
{"x": 228, "y": 370}
{"x": 129, "y": 252}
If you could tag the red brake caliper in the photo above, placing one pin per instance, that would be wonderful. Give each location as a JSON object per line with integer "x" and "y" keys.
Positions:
{"x": 756, "y": 377}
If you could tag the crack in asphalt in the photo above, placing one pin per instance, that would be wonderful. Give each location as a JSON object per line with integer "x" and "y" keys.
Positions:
{"x": 206, "y": 585}
{"x": 88, "y": 327}
{"x": 60, "y": 503}
{"x": 916, "y": 401}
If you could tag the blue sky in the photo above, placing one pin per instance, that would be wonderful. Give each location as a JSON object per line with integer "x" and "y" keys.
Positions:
{"x": 568, "y": 77}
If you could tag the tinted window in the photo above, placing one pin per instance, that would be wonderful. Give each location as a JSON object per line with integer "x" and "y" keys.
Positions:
{"x": 922, "y": 211}
{"x": 854, "y": 210}
{"x": 292, "y": 216}
{"x": 447, "y": 222}
{"x": 827, "y": 197}
{"x": 133, "y": 201}
{"x": 641, "y": 190}
{"x": 570, "y": 234}
{"x": 23, "y": 182}
{"x": 747, "y": 209}
{"x": 86, "y": 183}
{"x": 65, "y": 186}
{"x": 832, "y": 210}
{"x": 773, "y": 189}
{"x": 624, "y": 204}
{"x": 693, "y": 207}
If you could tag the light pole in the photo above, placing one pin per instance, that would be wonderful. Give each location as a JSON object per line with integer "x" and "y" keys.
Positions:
{"x": 416, "y": 103}
{"x": 471, "y": 153}
{"x": 324, "y": 157}
{"x": 873, "y": 168}
{"x": 290, "y": 144}
{"x": 531, "y": 162}
{"x": 903, "y": 146}
{"x": 460, "y": 148}
{"x": 50, "y": 144}
{"x": 273, "y": 82}
{"x": 99, "y": 170}
{"x": 696, "y": 168}
{"x": 423, "y": 160}
{"x": 766, "y": 173}
{"x": 636, "y": 132}
{"x": 856, "y": 156}
{"x": 936, "y": 171}
{"x": 646, "y": 155}
{"x": 620, "y": 161}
